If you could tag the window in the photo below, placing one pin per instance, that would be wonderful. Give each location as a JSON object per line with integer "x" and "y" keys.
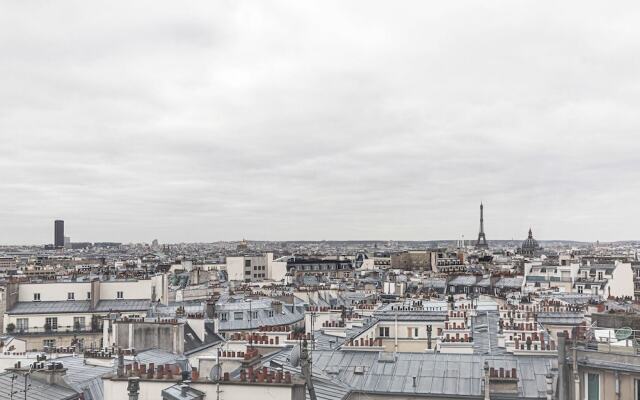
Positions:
{"x": 599, "y": 275}
{"x": 223, "y": 316}
{"x": 78, "y": 323}
{"x": 580, "y": 289}
{"x": 247, "y": 263}
{"x": 595, "y": 290}
{"x": 36, "y": 297}
{"x": 120, "y": 295}
{"x": 238, "y": 316}
{"x": 22, "y": 324}
{"x": 269, "y": 313}
{"x": 384, "y": 331}
{"x": 88, "y": 295}
{"x": 254, "y": 315}
{"x": 71, "y": 296}
{"x": 49, "y": 343}
{"x": 593, "y": 387}
{"x": 51, "y": 323}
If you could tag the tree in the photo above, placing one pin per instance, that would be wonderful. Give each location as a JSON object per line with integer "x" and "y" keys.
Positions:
{"x": 11, "y": 327}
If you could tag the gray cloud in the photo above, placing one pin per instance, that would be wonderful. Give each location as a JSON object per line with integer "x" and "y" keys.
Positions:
{"x": 290, "y": 120}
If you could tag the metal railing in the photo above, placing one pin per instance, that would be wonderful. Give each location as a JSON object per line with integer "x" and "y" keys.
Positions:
{"x": 58, "y": 329}
{"x": 612, "y": 340}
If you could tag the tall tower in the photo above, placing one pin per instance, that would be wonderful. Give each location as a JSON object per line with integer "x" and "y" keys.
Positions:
{"x": 482, "y": 240}
{"x": 58, "y": 234}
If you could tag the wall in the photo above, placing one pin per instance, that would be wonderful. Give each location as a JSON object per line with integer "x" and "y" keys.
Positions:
{"x": 235, "y": 268}
{"x": 152, "y": 390}
{"x": 35, "y": 342}
{"x": 148, "y": 335}
{"x": 622, "y": 283}
{"x": 149, "y": 390}
{"x": 53, "y": 291}
{"x": 131, "y": 290}
{"x": 276, "y": 270}
{"x": 247, "y": 391}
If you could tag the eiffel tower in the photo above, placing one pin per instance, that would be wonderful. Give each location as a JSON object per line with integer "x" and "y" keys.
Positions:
{"x": 482, "y": 240}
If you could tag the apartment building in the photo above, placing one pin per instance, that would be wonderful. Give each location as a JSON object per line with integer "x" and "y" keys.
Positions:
{"x": 606, "y": 280}
{"x": 55, "y": 314}
{"x": 550, "y": 276}
{"x": 255, "y": 268}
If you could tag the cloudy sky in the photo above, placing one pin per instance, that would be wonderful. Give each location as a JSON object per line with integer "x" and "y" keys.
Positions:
{"x": 284, "y": 120}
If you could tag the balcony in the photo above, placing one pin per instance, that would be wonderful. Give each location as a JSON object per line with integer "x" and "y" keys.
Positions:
{"x": 60, "y": 330}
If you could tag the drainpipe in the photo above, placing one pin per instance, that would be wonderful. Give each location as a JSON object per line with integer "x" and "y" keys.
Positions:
{"x": 563, "y": 384}
{"x": 576, "y": 375}
{"x": 617, "y": 385}
{"x": 487, "y": 390}
{"x": 396, "y": 338}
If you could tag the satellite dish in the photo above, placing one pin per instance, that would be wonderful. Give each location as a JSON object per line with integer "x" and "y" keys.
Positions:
{"x": 215, "y": 373}
{"x": 294, "y": 357}
{"x": 623, "y": 333}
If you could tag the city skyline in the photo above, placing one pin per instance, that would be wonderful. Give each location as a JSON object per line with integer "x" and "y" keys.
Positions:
{"x": 230, "y": 120}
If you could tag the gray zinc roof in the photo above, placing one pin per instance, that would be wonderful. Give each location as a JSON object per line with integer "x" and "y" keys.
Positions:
{"x": 438, "y": 374}
{"x": 85, "y": 378}
{"x": 37, "y": 391}
{"x": 77, "y": 306}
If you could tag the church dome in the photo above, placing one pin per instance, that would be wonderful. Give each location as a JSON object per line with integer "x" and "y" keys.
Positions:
{"x": 530, "y": 244}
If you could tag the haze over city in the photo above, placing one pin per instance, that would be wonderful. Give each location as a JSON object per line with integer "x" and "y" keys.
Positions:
{"x": 281, "y": 121}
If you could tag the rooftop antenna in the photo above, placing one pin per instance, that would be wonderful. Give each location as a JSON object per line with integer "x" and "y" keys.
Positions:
{"x": 306, "y": 360}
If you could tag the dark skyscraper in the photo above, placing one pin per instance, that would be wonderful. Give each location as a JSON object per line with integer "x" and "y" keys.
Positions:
{"x": 58, "y": 239}
{"x": 482, "y": 240}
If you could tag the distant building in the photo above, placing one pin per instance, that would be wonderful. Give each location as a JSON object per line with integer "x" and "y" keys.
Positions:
{"x": 411, "y": 260}
{"x": 530, "y": 246}
{"x": 58, "y": 235}
{"x": 255, "y": 268}
{"x": 313, "y": 266}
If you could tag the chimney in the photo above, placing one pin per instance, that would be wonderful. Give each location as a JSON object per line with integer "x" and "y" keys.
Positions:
{"x": 277, "y": 307}
{"x": 95, "y": 293}
{"x": 120, "y": 369}
{"x": 194, "y": 374}
{"x": 133, "y": 387}
{"x": 210, "y": 309}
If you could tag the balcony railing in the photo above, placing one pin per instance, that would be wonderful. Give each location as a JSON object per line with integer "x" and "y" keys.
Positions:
{"x": 622, "y": 340}
{"x": 33, "y": 330}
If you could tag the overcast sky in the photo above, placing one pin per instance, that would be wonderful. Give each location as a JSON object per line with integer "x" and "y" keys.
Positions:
{"x": 284, "y": 120}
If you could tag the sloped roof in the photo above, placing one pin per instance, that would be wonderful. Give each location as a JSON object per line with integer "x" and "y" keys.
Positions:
{"x": 77, "y": 306}
{"x": 438, "y": 374}
{"x": 37, "y": 391}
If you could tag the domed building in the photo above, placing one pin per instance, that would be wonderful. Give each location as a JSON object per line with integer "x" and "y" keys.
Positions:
{"x": 530, "y": 246}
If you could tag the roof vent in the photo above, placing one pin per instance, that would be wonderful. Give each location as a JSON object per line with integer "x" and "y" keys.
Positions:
{"x": 333, "y": 370}
{"x": 386, "y": 358}
{"x": 359, "y": 370}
